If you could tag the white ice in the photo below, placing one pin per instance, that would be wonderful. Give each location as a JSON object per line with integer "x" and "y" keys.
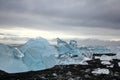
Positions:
{"x": 105, "y": 63}
{"x": 106, "y": 58}
{"x": 101, "y": 71}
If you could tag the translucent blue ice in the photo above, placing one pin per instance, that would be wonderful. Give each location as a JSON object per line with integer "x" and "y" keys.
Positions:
{"x": 36, "y": 54}
{"x": 39, "y": 54}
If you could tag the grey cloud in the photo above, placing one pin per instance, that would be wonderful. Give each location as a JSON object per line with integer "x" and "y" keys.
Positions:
{"x": 50, "y": 14}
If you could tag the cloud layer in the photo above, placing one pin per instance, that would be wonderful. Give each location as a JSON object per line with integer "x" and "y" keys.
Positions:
{"x": 75, "y": 17}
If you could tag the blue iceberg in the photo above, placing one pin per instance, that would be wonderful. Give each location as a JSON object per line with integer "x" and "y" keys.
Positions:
{"x": 64, "y": 47}
{"x": 36, "y": 54}
{"x": 39, "y": 54}
{"x": 10, "y": 61}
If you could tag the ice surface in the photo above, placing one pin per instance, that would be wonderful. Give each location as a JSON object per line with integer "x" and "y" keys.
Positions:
{"x": 39, "y": 54}
{"x": 106, "y": 58}
{"x": 18, "y": 53}
{"x": 95, "y": 50}
{"x": 117, "y": 50}
{"x": 68, "y": 51}
{"x": 64, "y": 47}
{"x": 101, "y": 71}
{"x": 72, "y": 48}
{"x": 105, "y": 63}
{"x": 119, "y": 64}
{"x": 101, "y": 50}
{"x": 9, "y": 60}
{"x": 67, "y": 59}
{"x": 36, "y": 54}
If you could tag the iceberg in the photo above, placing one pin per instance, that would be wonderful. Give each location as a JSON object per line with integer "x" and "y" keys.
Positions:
{"x": 70, "y": 53}
{"x": 63, "y": 47}
{"x": 36, "y": 54}
{"x": 10, "y": 60}
{"x": 39, "y": 54}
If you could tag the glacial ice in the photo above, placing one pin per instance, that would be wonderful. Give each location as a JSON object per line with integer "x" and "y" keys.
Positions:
{"x": 101, "y": 71}
{"x": 101, "y": 50}
{"x": 72, "y": 48}
{"x": 117, "y": 50}
{"x": 67, "y": 59}
{"x": 64, "y": 47}
{"x": 39, "y": 54}
{"x": 10, "y": 62}
{"x": 18, "y": 53}
{"x": 119, "y": 64}
{"x": 95, "y": 49}
{"x": 70, "y": 53}
{"x": 106, "y": 63}
{"x": 106, "y": 58}
{"x": 36, "y": 54}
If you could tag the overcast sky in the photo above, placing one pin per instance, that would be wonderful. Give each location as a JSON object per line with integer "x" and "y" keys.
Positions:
{"x": 98, "y": 19}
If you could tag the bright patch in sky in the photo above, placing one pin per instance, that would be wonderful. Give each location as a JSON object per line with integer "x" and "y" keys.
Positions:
{"x": 32, "y": 33}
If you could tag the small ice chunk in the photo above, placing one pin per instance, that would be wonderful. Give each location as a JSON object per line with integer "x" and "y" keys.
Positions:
{"x": 54, "y": 74}
{"x": 105, "y": 58}
{"x": 97, "y": 57}
{"x": 119, "y": 64}
{"x": 101, "y": 71}
{"x": 105, "y": 63}
{"x": 84, "y": 63}
{"x": 111, "y": 66}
